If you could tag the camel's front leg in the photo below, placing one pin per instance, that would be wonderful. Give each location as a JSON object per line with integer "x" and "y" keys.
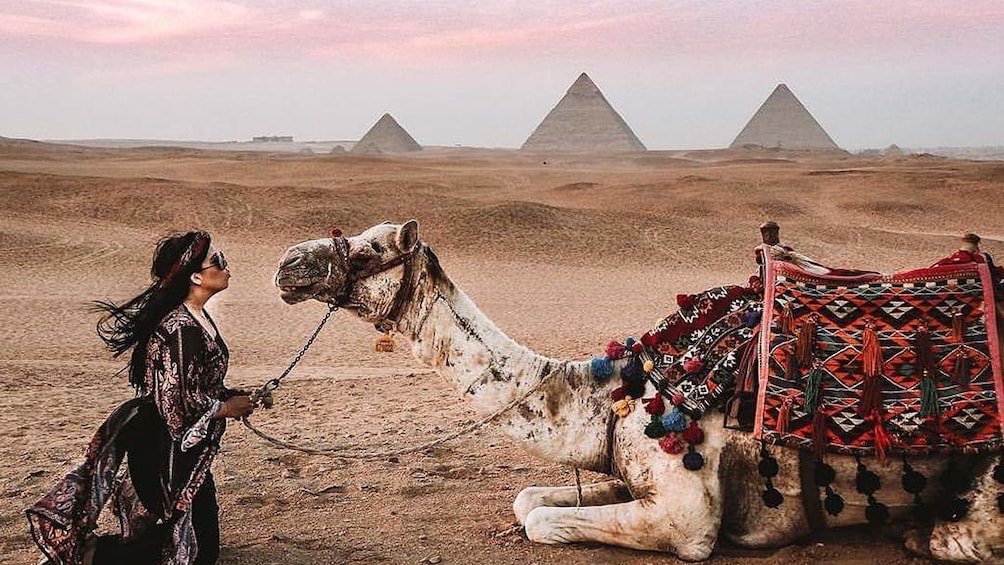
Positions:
{"x": 593, "y": 494}
{"x": 652, "y": 524}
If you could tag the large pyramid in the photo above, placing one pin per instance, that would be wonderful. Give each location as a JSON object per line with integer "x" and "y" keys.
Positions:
{"x": 782, "y": 122}
{"x": 583, "y": 120}
{"x": 386, "y": 137}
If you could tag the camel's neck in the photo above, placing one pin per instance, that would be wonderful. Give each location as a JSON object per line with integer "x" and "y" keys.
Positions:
{"x": 561, "y": 412}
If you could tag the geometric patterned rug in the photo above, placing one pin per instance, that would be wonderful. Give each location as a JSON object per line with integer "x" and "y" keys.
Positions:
{"x": 904, "y": 363}
{"x": 696, "y": 351}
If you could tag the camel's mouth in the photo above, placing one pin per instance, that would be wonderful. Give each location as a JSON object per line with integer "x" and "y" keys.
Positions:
{"x": 292, "y": 294}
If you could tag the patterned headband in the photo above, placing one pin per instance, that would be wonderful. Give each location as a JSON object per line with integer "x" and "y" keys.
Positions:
{"x": 197, "y": 248}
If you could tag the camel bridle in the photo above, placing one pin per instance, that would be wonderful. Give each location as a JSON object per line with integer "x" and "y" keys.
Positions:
{"x": 405, "y": 290}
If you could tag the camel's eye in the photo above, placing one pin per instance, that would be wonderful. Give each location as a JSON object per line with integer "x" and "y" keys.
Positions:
{"x": 376, "y": 247}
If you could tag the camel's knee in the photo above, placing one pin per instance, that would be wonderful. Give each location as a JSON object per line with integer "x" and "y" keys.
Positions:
{"x": 528, "y": 499}
{"x": 697, "y": 552}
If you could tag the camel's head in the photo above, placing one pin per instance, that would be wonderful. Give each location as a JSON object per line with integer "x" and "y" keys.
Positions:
{"x": 364, "y": 273}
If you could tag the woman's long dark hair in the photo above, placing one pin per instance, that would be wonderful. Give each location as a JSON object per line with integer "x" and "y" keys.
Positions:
{"x": 130, "y": 325}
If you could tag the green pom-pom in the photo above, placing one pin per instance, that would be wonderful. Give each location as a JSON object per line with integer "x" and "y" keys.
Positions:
{"x": 655, "y": 429}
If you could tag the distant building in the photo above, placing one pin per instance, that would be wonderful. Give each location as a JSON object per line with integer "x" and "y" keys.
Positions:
{"x": 272, "y": 139}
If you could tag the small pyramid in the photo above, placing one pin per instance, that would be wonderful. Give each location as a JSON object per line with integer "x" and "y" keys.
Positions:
{"x": 893, "y": 151}
{"x": 386, "y": 137}
{"x": 783, "y": 122}
{"x": 583, "y": 120}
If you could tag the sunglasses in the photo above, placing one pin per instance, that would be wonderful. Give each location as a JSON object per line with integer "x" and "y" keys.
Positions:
{"x": 218, "y": 260}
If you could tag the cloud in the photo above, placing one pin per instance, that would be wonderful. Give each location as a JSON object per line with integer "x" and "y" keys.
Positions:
{"x": 456, "y": 31}
{"x": 122, "y": 21}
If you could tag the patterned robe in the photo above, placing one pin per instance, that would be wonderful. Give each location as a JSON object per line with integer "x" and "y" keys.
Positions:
{"x": 170, "y": 438}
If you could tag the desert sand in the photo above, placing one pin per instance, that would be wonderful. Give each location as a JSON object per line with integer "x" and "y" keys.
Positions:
{"x": 563, "y": 252}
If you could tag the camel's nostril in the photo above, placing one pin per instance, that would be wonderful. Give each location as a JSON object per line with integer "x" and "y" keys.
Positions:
{"x": 291, "y": 260}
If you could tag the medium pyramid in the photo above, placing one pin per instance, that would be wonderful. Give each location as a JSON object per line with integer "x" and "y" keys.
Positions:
{"x": 583, "y": 120}
{"x": 386, "y": 137}
{"x": 783, "y": 122}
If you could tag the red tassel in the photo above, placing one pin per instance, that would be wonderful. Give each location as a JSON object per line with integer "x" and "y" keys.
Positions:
{"x": 819, "y": 440}
{"x": 783, "y": 417}
{"x": 791, "y": 370}
{"x": 806, "y": 342}
{"x": 654, "y": 405}
{"x": 748, "y": 364}
{"x": 871, "y": 364}
{"x": 961, "y": 370}
{"x": 958, "y": 327}
{"x": 871, "y": 352}
{"x": 922, "y": 352}
{"x": 787, "y": 320}
{"x": 882, "y": 439}
{"x": 871, "y": 396}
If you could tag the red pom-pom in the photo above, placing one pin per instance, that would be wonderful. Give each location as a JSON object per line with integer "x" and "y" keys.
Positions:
{"x": 336, "y": 233}
{"x": 670, "y": 443}
{"x": 756, "y": 284}
{"x": 615, "y": 350}
{"x": 654, "y": 405}
{"x": 677, "y": 399}
{"x": 619, "y": 393}
{"x": 694, "y": 435}
{"x": 685, "y": 301}
{"x": 693, "y": 365}
{"x": 637, "y": 347}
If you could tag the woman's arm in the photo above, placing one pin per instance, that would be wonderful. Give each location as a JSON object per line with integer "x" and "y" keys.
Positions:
{"x": 186, "y": 408}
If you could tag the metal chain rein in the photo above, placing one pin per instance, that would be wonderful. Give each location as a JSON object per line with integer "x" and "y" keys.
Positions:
{"x": 262, "y": 396}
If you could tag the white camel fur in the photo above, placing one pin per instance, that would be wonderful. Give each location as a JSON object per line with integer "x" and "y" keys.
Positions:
{"x": 652, "y": 502}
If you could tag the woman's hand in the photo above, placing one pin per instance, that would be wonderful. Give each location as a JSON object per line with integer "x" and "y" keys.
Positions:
{"x": 236, "y": 407}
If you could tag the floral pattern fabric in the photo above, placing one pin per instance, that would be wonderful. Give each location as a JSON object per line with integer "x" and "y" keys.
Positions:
{"x": 169, "y": 438}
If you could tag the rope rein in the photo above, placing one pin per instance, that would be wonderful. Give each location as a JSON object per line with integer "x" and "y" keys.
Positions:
{"x": 344, "y": 453}
{"x": 263, "y": 397}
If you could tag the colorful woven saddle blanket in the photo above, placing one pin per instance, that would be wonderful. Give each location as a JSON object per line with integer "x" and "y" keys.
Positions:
{"x": 698, "y": 351}
{"x": 879, "y": 364}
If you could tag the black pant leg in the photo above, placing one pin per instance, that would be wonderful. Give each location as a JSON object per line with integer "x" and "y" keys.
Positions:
{"x": 206, "y": 522}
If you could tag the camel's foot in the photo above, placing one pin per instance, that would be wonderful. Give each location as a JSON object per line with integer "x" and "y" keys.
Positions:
{"x": 642, "y": 525}
{"x": 962, "y": 542}
{"x": 593, "y": 494}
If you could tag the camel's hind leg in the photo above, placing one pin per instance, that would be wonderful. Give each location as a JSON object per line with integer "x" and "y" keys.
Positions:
{"x": 979, "y": 537}
{"x": 645, "y": 524}
{"x": 593, "y": 494}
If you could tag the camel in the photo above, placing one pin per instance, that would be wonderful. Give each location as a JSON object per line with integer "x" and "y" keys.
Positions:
{"x": 560, "y": 412}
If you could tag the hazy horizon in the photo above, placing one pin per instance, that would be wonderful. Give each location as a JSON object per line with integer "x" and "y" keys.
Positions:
{"x": 682, "y": 75}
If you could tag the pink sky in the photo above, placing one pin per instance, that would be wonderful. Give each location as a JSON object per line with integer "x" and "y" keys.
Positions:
{"x": 106, "y": 53}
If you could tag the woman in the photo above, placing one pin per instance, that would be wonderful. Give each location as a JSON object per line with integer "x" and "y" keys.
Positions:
{"x": 171, "y": 431}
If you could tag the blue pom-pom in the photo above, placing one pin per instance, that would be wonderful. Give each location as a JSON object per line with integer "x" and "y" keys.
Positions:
{"x": 601, "y": 367}
{"x": 693, "y": 460}
{"x": 751, "y": 318}
{"x": 629, "y": 341}
{"x": 674, "y": 421}
{"x": 631, "y": 371}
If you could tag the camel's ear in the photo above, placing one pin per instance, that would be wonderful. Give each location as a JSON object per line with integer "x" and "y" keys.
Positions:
{"x": 407, "y": 236}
